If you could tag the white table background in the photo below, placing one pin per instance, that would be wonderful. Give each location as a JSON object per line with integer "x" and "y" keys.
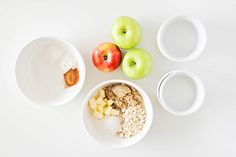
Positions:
{"x": 27, "y": 130}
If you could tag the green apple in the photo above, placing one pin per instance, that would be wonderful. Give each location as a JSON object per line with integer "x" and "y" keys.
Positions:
{"x": 126, "y": 32}
{"x": 137, "y": 63}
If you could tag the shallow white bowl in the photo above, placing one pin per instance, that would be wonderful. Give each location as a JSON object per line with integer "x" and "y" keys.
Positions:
{"x": 179, "y": 107}
{"x": 38, "y": 71}
{"x": 181, "y": 38}
{"x": 94, "y": 128}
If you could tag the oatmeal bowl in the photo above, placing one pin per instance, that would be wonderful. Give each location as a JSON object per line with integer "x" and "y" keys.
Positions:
{"x": 117, "y": 113}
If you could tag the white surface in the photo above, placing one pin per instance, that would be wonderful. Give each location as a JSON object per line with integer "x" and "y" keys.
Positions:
{"x": 40, "y": 69}
{"x": 27, "y": 130}
{"x": 96, "y": 129}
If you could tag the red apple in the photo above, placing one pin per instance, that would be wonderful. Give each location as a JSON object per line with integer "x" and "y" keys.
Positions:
{"x": 106, "y": 57}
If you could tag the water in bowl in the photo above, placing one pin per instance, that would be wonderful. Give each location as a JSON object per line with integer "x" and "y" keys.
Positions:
{"x": 179, "y": 92}
{"x": 180, "y": 38}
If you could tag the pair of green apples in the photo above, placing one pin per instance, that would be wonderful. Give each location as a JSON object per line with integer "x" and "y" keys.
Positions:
{"x": 127, "y": 34}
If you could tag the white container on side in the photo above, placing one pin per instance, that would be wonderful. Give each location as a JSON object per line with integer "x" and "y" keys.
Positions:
{"x": 181, "y": 38}
{"x": 180, "y": 92}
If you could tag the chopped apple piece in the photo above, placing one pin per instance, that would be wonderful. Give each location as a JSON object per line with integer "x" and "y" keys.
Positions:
{"x": 107, "y": 111}
{"x": 102, "y": 93}
{"x": 100, "y": 101}
{"x": 98, "y": 114}
{"x": 100, "y": 108}
{"x": 110, "y": 102}
{"x": 92, "y": 103}
{"x": 114, "y": 112}
{"x": 105, "y": 100}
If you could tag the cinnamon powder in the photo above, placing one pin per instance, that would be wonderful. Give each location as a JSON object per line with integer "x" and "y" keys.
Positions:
{"x": 71, "y": 77}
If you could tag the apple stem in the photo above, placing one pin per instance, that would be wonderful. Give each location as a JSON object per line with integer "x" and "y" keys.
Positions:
{"x": 105, "y": 57}
{"x": 132, "y": 64}
{"x": 125, "y": 30}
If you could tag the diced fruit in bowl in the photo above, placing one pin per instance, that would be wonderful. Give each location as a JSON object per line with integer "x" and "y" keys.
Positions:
{"x": 137, "y": 63}
{"x": 126, "y": 32}
{"x": 101, "y": 106}
{"x": 106, "y": 57}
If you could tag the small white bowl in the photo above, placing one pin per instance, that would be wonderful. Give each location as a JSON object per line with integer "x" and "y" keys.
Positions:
{"x": 39, "y": 71}
{"x": 94, "y": 127}
{"x": 180, "y": 92}
{"x": 181, "y": 38}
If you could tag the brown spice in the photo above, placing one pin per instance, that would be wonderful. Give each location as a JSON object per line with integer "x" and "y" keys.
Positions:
{"x": 71, "y": 77}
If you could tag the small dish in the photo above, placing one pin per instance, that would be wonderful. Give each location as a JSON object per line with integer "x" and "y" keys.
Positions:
{"x": 39, "y": 71}
{"x": 95, "y": 128}
{"x": 180, "y": 92}
{"x": 181, "y": 38}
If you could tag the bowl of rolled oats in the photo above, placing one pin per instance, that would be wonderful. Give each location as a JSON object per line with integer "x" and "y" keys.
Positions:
{"x": 117, "y": 113}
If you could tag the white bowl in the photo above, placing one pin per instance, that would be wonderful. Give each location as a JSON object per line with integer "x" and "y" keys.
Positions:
{"x": 180, "y": 92}
{"x": 94, "y": 128}
{"x": 39, "y": 71}
{"x": 181, "y": 38}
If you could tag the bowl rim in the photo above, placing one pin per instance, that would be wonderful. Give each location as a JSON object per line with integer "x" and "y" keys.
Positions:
{"x": 200, "y": 96}
{"x": 200, "y": 46}
{"x": 110, "y": 82}
{"x": 64, "y": 41}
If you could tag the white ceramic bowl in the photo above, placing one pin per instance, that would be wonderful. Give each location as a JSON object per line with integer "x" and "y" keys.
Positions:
{"x": 180, "y": 92}
{"x": 181, "y": 38}
{"x": 39, "y": 71}
{"x": 94, "y": 128}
